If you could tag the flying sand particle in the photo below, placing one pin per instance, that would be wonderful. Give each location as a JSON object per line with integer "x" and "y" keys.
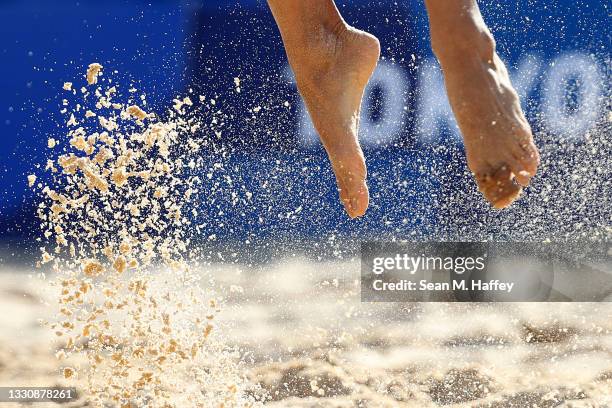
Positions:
{"x": 114, "y": 222}
{"x": 93, "y": 71}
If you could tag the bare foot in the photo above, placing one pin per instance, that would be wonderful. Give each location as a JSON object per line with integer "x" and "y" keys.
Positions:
{"x": 331, "y": 77}
{"x": 498, "y": 140}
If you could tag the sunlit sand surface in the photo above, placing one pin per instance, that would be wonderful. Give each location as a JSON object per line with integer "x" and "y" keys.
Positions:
{"x": 306, "y": 340}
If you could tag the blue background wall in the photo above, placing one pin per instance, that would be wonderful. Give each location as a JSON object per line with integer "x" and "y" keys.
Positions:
{"x": 409, "y": 136}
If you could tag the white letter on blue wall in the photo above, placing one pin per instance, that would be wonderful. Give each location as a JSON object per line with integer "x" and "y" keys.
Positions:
{"x": 558, "y": 117}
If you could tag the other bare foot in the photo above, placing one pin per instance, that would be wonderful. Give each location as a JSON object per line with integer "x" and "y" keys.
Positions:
{"x": 498, "y": 140}
{"x": 331, "y": 72}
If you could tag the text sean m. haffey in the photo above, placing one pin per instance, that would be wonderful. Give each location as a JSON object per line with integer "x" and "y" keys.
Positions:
{"x": 494, "y": 285}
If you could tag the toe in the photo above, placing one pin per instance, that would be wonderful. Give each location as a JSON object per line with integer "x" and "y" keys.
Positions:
{"x": 524, "y": 166}
{"x": 520, "y": 171}
{"x": 350, "y": 171}
{"x": 499, "y": 187}
{"x": 527, "y": 154}
{"x": 355, "y": 198}
{"x": 522, "y": 177}
{"x": 524, "y": 160}
{"x": 530, "y": 159}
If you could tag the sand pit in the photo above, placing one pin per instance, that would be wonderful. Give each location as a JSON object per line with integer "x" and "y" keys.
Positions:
{"x": 310, "y": 343}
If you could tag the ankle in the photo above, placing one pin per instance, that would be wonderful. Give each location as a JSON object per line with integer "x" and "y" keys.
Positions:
{"x": 465, "y": 38}
{"x": 314, "y": 46}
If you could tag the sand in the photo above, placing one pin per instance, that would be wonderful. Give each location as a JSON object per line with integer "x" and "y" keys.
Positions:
{"x": 122, "y": 307}
{"x": 306, "y": 340}
{"x": 115, "y": 237}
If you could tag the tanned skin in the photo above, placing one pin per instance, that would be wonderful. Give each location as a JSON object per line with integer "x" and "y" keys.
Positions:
{"x": 333, "y": 62}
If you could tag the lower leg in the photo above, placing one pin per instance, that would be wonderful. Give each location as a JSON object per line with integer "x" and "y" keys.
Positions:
{"x": 498, "y": 140}
{"x": 304, "y": 25}
{"x": 332, "y": 63}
